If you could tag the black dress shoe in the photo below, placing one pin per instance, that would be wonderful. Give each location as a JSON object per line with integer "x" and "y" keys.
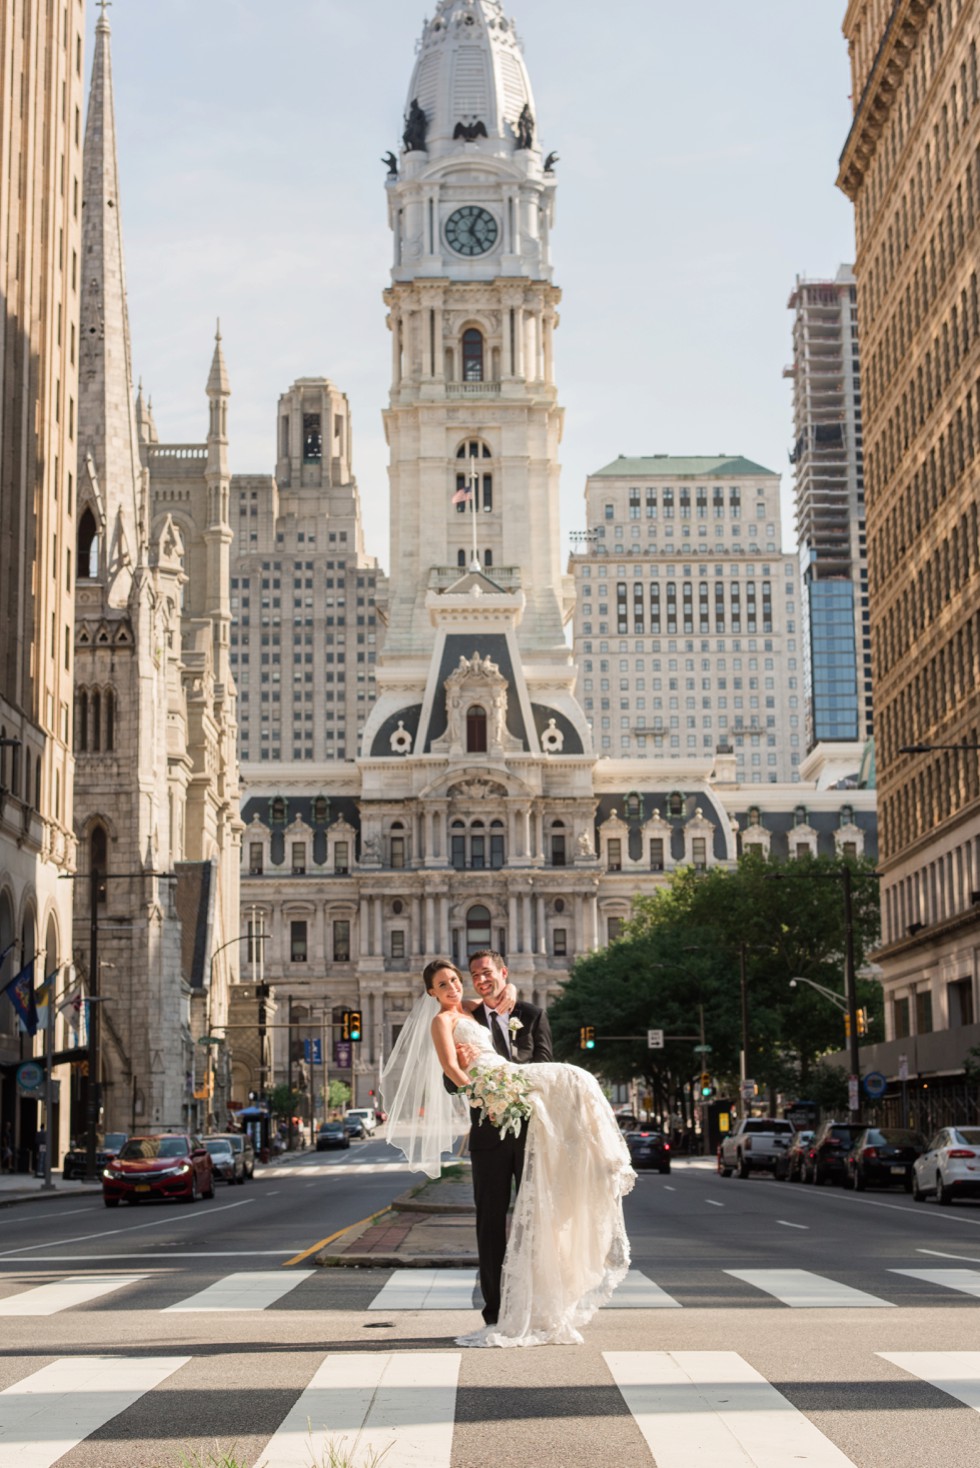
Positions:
{"x": 490, "y": 1320}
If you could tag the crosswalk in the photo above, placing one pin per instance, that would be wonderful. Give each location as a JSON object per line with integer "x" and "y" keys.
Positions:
{"x": 693, "y": 1409}
{"x": 458, "y": 1290}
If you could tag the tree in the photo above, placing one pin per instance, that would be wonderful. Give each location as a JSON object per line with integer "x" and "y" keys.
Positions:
{"x": 284, "y": 1102}
{"x": 679, "y": 958}
{"x": 338, "y": 1095}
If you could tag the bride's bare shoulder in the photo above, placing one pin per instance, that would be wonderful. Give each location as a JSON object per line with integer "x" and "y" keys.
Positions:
{"x": 445, "y": 1019}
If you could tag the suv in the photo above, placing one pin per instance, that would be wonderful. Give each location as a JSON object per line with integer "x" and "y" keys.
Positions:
{"x": 824, "y": 1160}
{"x": 241, "y": 1142}
{"x": 366, "y": 1116}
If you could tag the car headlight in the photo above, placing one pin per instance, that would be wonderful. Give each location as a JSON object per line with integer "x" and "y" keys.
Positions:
{"x": 108, "y": 1174}
{"x": 184, "y": 1167}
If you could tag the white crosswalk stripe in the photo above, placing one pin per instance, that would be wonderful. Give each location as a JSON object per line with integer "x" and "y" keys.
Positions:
{"x": 62, "y": 1294}
{"x": 637, "y": 1292}
{"x": 711, "y": 1409}
{"x": 50, "y": 1412}
{"x": 362, "y": 1406}
{"x": 254, "y": 1289}
{"x": 803, "y": 1290}
{"x": 427, "y": 1289}
{"x": 955, "y": 1372}
{"x": 335, "y": 1169}
{"x": 967, "y": 1281}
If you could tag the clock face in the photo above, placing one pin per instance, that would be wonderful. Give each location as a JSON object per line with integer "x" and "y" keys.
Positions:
{"x": 471, "y": 230}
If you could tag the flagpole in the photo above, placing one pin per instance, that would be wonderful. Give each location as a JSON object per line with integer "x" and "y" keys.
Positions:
{"x": 474, "y": 483}
{"x": 47, "y": 1185}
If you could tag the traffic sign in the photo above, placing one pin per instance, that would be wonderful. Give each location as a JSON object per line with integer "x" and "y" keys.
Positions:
{"x": 655, "y": 1039}
{"x": 852, "y": 1093}
{"x": 313, "y": 1051}
{"x": 875, "y": 1084}
{"x": 748, "y": 1090}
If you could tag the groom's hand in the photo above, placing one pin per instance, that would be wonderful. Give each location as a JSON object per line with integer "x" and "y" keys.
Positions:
{"x": 506, "y": 1002}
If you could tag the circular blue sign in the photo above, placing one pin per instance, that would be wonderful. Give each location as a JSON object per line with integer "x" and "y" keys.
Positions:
{"x": 875, "y": 1084}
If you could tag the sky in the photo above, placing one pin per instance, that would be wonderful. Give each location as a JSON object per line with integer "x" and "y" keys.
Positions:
{"x": 698, "y": 149}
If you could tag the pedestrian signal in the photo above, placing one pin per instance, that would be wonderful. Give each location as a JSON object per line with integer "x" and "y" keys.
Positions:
{"x": 586, "y": 1037}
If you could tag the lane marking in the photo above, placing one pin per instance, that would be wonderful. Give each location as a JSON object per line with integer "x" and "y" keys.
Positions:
{"x": 396, "y": 1409}
{"x": 53, "y": 1410}
{"x": 957, "y": 1373}
{"x": 711, "y": 1409}
{"x": 966, "y": 1281}
{"x": 146, "y": 1258}
{"x": 711, "y": 1203}
{"x": 252, "y": 1290}
{"x": 786, "y": 1223}
{"x": 427, "y": 1289}
{"x": 669, "y": 1189}
{"x": 74, "y": 1289}
{"x": 939, "y": 1254}
{"x": 298, "y": 1258}
{"x": 62, "y": 1213}
{"x": 804, "y": 1290}
{"x": 126, "y": 1229}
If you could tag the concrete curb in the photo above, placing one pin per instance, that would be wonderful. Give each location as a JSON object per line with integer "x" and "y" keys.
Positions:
{"x": 56, "y": 1195}
{"x": 427, "y": 1227}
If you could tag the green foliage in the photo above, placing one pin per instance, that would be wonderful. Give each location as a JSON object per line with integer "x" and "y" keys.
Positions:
{"x": 285, "y": 1101}
{"x": 681, "y": 952}
{"x": 338, "y": 1095}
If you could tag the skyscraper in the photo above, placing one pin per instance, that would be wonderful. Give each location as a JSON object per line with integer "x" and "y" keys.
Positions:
{"x": 827, "y": 456}
{"x": 911, "y": 166}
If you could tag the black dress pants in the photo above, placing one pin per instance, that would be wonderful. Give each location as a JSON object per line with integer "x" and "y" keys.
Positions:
{"x": 493, "y": 1170}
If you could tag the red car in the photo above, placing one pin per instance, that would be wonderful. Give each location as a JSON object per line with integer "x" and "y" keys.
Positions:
{"x": 172, "y": 1166}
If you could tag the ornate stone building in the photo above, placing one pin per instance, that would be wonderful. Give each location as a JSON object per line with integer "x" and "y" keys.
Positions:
{"x": 476, "y": 812}
{"x": 41, "y": 99}
{"x": 911, "y": 166}
{"x": 156, "y": 791}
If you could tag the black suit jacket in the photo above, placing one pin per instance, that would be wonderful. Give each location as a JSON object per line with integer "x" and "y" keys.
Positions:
{"x": 532, "y": 1044}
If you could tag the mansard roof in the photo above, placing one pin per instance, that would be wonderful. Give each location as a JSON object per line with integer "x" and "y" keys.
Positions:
{"x": 679, "y": 467}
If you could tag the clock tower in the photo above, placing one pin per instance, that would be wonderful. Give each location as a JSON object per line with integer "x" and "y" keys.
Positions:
{"x": 473, "y": 422}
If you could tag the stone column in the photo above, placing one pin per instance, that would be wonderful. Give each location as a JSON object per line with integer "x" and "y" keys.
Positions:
{"x": 542, "y": 928}
{"x": 428, "y": 937}
{"x": 378, "y": 935}
{"x": 512, "y": 922}
{"x": 364, "y": 931}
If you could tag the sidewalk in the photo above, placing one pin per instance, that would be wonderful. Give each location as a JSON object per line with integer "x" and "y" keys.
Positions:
{"x": 24, "y": 1187}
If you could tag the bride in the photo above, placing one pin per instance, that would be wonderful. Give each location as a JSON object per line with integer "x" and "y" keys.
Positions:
{"x": 568, "y": 1248}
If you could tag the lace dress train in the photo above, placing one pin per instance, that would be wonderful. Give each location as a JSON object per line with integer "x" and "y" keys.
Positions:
{"x": 568, "y": 1248}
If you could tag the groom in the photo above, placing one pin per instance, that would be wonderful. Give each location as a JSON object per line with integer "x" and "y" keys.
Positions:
{"x": 495, "y": 1160}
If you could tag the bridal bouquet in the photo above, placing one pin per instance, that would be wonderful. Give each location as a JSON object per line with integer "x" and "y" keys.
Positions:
{"x": 501, "y": 1093}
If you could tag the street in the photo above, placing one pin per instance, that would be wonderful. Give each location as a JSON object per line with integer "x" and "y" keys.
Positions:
{"x": 762, "y": 1323}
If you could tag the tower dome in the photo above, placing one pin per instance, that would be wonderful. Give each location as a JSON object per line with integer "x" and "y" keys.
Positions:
{"x": 470, "y": 83}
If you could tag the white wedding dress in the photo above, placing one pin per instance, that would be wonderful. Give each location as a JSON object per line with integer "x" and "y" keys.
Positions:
{"x": 568, "y": 1248}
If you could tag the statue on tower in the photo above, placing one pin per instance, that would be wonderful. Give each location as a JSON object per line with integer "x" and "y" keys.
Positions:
{"x": 392, "y": 164}
{"x": 415, "y": 129}
{"x": 525, "y": 128}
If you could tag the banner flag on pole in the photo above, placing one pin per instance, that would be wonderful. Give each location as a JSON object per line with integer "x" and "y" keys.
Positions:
{"x": 462, "y": 495}
{"x": 71, "y": 1006}
{"x": 20, "y": 992}
{"x": 43, "y": 997}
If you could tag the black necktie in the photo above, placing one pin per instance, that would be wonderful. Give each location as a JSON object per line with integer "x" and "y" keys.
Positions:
{"x": 499, "y": 1042}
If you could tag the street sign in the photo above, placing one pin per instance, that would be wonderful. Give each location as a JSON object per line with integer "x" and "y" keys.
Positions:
{"x": 703, "y": 1048}
{"x": 655, "y": 1039}
{"x": 30, "y": 1079}
{"x": 313, "y": 1051}
{"x": 748, "y": 1090}
{"x": 852, "y": 1093}
{"x": 875, "y": 1084}
{"x": 903, "y": 1067}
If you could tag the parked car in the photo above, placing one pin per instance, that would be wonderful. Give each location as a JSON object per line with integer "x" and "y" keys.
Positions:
{"x": 332, "y": 1134}
{"x": 789, "y": 1167}
{"x": 366, "y": 1114}
{"x": 175, "y": 1165}
{"x": 227, "y": 1164}
{"x": 242, "y": 1142}
{"x": 75, "y": 1161}
{"x": 649, "y": 1149}
{"x": 881, "y": 1157}
{"x": 756, "y": 1145}
{"x": 824, "y": 1162}
{"x": 949, "y": 1166}
{"x": 354, "y": 1126}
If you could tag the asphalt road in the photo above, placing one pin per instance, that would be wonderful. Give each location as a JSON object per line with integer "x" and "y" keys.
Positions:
{"x": 763, "y": 1323}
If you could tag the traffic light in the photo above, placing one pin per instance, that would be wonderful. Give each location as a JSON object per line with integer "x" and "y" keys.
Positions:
{"x": 707, "y": 1089}
{"x": 862, "y": 1019}
{"x": 586, "y": 1037}
{"x": 354, "y": 1025}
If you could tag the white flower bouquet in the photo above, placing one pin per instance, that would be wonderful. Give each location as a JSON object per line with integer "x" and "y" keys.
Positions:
{"x": 501, "y": 1093}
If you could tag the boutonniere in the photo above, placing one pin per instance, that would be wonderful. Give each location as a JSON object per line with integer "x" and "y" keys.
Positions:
{"x": 514, "y": 1025}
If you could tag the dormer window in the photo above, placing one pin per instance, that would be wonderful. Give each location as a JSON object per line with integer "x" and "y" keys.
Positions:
{"x": 476, "y": 729}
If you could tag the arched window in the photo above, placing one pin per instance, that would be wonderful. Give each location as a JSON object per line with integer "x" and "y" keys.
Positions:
{"x": 96, "y": 722}
{"x": 321, "y": 810}
{"x": 477, "y": 929}
{"x": 675, "y": 804}
{"x": 3, "y": 757}
{"x": 472, "y": 355}
{"x": 277, "y": 811}
{"x": 81, "y": 722}
{"x": 461, "y": 558}
{"x": 98, "y": 858}
{"x": 476, "y": 729}
{"x": 88, "y": 546}
{"x": 467, "y": 479}
{"x": 110, "y": 719}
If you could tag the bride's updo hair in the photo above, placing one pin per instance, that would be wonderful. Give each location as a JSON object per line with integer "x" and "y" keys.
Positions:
{"x": 433, "y": 967}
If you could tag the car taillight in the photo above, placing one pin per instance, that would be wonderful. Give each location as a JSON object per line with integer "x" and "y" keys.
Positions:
{"x": 870, "y": 1152}
{"x": 961, "y": 1152}
{"x": 666, "y": 1146}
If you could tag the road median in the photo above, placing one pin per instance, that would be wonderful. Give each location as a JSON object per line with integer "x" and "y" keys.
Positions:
{"x": 431, "y": 1226}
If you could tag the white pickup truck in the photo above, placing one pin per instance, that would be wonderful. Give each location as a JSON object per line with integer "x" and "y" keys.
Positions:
{"x": 756, "y": 1145}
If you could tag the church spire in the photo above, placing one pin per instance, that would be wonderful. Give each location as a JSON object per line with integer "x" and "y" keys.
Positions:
{"x": 107, "y": 432}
